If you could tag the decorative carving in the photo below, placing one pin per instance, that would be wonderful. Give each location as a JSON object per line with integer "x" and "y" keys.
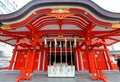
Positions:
{"x": 115, "y": 25}
{"x": 86, "y": 13}
{"x": 34, "y": 13}
{"x": 60, "y": 13}
{"x": 60, "y": 10}
{"x": 6, "y": 27}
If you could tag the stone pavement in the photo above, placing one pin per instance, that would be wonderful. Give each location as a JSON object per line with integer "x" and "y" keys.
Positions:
{"x": 10, "y": 76}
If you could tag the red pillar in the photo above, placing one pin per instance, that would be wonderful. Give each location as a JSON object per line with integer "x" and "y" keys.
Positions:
{"x": 79, "y": 60}
{"x": 12, "y": 59}
{"x": 108, "y": 56}
{"x": 15, "y": 53}
{"x": 91, "y": 64}
{"x": 90, "y": 58}
{"x": 46, "y": 61}
{"x": 41, "y": 60}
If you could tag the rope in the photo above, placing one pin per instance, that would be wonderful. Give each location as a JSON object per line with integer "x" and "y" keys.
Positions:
{"x": 61, "y": 69}
{"x": 71, "y": 56}
{"x": 55, "y": 69}
{"x": 55, "y": 50}
{"x": 66, "y": 50}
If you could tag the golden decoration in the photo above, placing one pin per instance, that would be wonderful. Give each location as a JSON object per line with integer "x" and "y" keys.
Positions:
{"x": 32, "y": 32}
{"x": 85, "y": 13}
{"x": 60, "y": 16}
{"x": 97, "y": 52}
{"x": 27, "y": 24}
{"x": 6, "y": 27}
{"x": 60, "y": 13}
{"x": 96, "y": 55}
{"x": 34, "y": 13}
{"x": 115, "y": 25}
{"x": 60, "y": 35}
{"x": 32, "y": 38}
{"x": 60, "y": 10}
{"x": 25, "y": 56}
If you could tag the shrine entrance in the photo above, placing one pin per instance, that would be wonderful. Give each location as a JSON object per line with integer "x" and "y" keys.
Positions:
{"x": 60, "y": 40}
{"x": 61, "y": 58}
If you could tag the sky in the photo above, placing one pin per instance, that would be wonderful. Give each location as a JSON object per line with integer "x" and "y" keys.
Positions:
{"x": 21, "y": 3}
{"x": 110, "y": 5}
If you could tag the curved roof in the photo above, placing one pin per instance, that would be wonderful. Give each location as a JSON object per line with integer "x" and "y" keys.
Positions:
{"x": 50, "y": 18}
{"x": 87, "y": 4}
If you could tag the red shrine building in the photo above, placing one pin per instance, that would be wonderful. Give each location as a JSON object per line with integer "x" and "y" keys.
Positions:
{"x": 61, "y": 38}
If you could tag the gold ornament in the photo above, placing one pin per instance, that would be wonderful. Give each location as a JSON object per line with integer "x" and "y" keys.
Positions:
{"x": 6, "y": 27}
{"x": 115, "y": 25}
{"x": 60, "y": 13}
